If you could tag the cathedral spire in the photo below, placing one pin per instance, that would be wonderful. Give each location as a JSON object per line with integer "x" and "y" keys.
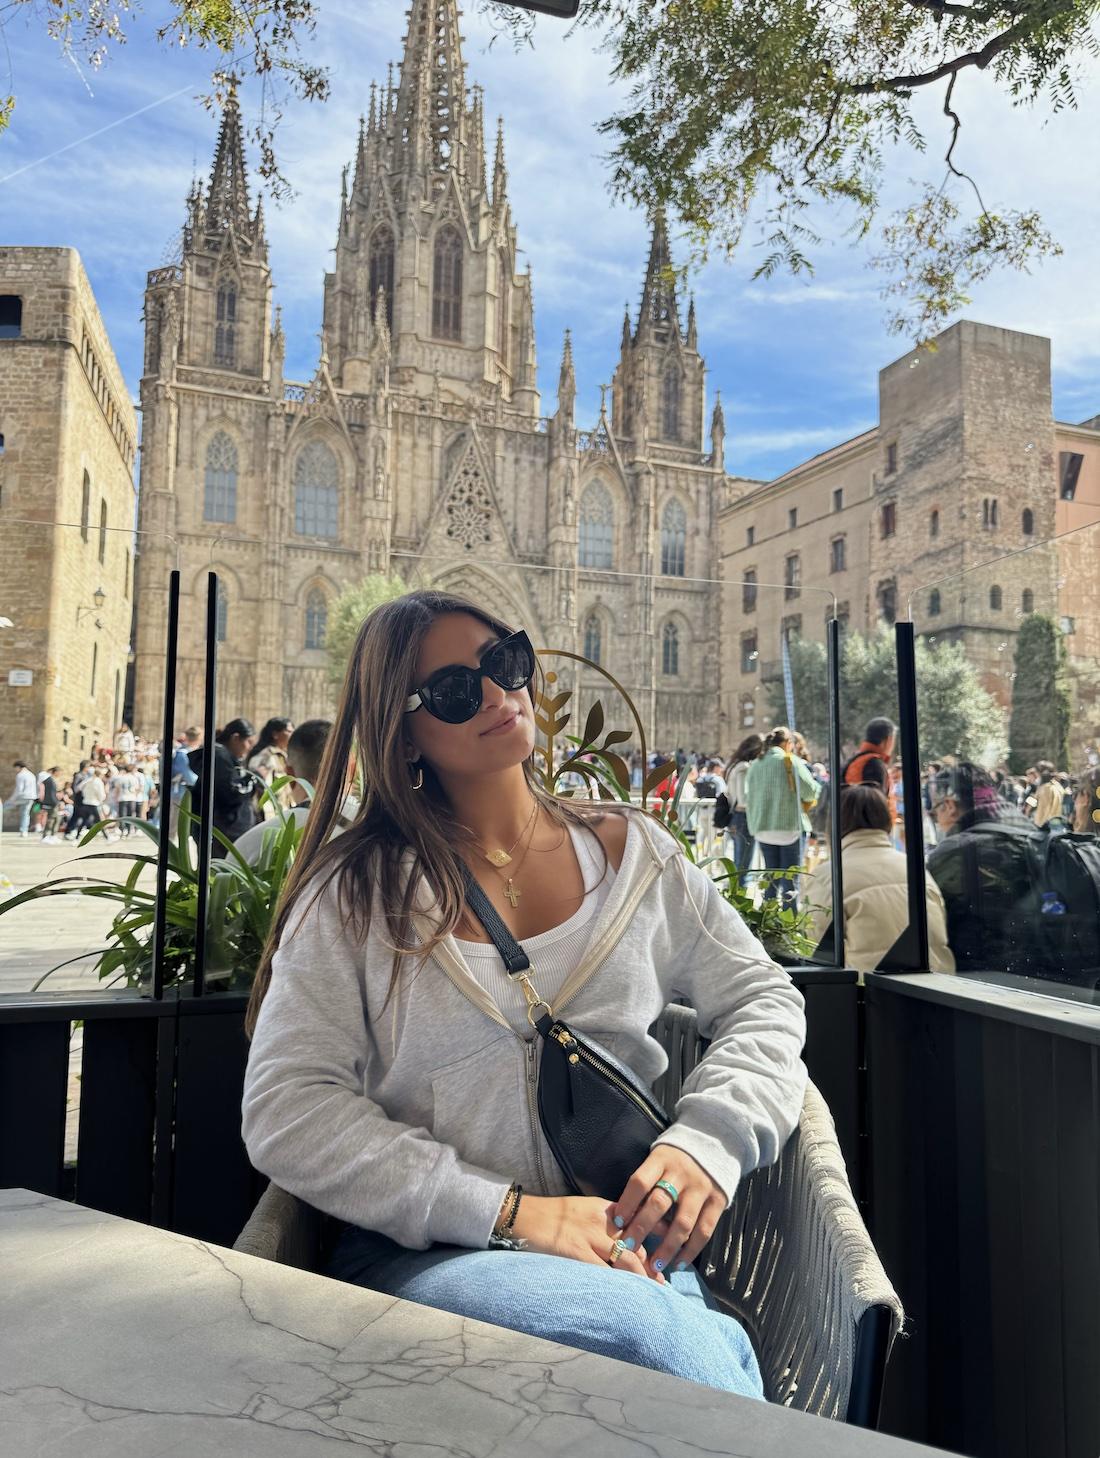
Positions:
{"x": 227, "y": 200}
{"x": 567, "y": 380}
{"x": 692, "y": 328}
{"x": 500, "y": 171}
{"x": 659, "y": 309}
{"x": 431, "y": 95}
{"x": 718, "y": 433}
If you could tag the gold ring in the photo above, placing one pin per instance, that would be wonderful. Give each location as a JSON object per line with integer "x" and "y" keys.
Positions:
{"x": 616, "y": 1251}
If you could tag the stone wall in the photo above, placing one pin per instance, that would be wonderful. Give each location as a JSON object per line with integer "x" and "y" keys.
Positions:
{"x": 64, "y": 415}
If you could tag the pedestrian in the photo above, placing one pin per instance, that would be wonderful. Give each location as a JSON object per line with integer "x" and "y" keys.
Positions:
{"x": 23, "y": 796}
{"x": 875, "y": 882}
{"x": 48, "y": 795}
{"x": 737, "y": 832}
{"x": 405, "y": 1124}
{"x": 780, "y": 792}
{"x": 870, "y": 763}
{"x": 268, "y": 760}
{"x": 234, "y": 786}
{"x": 304, "y": 753}
{"x": 1050, "y": 807}
{"x": 94, "y": 793}
{"x": 184, "y": 777}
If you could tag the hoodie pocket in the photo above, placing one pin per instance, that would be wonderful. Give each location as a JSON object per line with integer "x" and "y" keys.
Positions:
{"x": 477, "y": 1103}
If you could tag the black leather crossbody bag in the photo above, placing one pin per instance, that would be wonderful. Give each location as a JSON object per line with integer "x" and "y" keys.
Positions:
{"x": 598, "y": 1117}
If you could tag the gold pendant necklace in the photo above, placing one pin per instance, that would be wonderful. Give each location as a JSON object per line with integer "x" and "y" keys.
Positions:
{"x": 500, "y": 857}
{"x": 512, "y": 893}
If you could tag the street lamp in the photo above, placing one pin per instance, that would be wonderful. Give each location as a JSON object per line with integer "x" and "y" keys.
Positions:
{"x": 99, "y": 597}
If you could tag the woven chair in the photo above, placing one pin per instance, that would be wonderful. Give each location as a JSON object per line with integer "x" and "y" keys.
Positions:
{"x": 791, "y": 1258}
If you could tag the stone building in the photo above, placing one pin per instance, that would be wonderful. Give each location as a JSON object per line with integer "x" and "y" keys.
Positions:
{"x": 944, "y": 512}
{"x": 68, "y": 437}
{"x": 420, "y": 444}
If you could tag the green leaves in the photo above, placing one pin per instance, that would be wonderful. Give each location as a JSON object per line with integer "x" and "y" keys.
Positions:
{"x": 240, "y": 902}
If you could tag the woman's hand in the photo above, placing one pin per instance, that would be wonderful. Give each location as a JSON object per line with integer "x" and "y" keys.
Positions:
{"x": 643, "y": 1208}
{"x": 577, "y": 1227}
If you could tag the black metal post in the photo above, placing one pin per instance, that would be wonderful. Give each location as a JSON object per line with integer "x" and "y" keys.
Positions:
{"x": 206, "y": 808}
{"x": 832, "y": 643}
{"x": 910, "y": 952}
{"x": 166, "y": 752}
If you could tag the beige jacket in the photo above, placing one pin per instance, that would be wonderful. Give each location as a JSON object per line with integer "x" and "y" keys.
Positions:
{"x": 876, "y": 902}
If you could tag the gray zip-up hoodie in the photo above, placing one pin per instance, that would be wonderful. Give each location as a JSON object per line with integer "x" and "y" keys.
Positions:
{"x": 413, "y": 1119}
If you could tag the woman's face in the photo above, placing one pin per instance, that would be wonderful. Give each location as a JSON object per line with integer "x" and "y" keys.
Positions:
{"x": 282, "y": 738}
{"x": 502, "y": 732}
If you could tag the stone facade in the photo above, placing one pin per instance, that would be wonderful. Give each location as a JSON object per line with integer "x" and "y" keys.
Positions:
{"x": 945, "y": 512}
{"x": 420, "y": 445}
{"x": 68, "y": 436}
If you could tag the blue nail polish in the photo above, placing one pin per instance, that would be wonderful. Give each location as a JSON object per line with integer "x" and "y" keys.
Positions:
{"x": 658, "y": 1265}
{"x": 681, "y": 1265}
{"x": 629, "y": 1242}
{"x": 618, "y": 1221}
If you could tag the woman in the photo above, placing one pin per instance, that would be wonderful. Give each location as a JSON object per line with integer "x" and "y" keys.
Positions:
{"x": 268, "y": 760}
{"x": 234, "y": 786}
{"x": 780, "y": 791}
{"x": 876, "y": 895}
{"x": 1086, "y": 804}
{"x": 392, "y": 1074}
{"x": 750, "y": 748}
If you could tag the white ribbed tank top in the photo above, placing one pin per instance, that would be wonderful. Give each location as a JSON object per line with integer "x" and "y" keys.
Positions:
{"x": 555, "y": 953}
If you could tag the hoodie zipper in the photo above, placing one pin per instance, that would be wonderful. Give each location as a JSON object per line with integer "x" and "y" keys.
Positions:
{"x": 578, "y": 1050}
{"x": 532, "y": 1109}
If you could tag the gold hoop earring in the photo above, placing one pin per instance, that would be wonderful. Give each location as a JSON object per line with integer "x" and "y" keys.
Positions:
{"x": 418, "y": 783}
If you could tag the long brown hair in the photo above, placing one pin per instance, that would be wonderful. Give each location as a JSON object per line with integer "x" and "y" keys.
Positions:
{"x": 393, "y": 819}
{"x": 750, "y": 748}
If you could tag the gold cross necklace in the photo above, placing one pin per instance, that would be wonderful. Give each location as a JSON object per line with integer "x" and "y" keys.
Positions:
{"x": 511, "y": 890}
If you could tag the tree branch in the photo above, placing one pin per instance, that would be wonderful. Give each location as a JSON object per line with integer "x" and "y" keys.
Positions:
{"x": 978, "y": 59}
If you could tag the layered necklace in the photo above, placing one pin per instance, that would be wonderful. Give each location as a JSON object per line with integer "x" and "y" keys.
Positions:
{"x": 500, "y": 858}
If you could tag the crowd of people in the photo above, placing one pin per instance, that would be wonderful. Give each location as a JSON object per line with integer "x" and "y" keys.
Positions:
{"x": 1001, "y": 894}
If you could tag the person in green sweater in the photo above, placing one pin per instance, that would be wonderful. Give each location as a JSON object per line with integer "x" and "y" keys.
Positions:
{"x": 780, "y": 791}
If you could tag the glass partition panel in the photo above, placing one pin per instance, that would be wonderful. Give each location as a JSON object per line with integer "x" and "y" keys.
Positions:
{"x": 1009, "y": 700}
{"x": 68, "y": 713}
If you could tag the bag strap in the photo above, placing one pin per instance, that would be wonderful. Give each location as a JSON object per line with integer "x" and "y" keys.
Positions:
{"x": 512, "y": 954}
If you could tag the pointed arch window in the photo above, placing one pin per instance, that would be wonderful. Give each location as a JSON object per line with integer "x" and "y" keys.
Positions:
{"x": 593, "y": 638}
{"x": 670, "y": 650}
{"x": 102, "y": 529}
{"x": 673, "y": 539}
{"x": 597, "y": 528}
{"x": 221, "y": 615}
{"x": 316, "y": 619}
{"x": 381, "y": 269}
{"x": 670, "y": 404}
{"x": 447, "y": 285}
{"x": 317, "y": 492}
{"x": 219, "y": 500}
{"x": 225, "y": 330}
{"x": 85, "y": 507}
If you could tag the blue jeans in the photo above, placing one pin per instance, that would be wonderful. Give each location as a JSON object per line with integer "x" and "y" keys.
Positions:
{"x": 24, "y": 808}
{"x": 738, "y": 832}
{"x": 781, "y": 858}
{"x": 676, "y": 1328}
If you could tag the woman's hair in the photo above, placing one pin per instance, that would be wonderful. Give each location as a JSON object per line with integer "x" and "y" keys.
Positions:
{"x": 779, "y": 737}
{"x": 1088, "y": 789}
{"x": 401, "y": 838}
{"x": 235, "y": 726}
{"x": 799, "y": 745}
{"x": 1049, "y": 802}
{"x": 863, "y": 807}
{"x": 267, "y": 735}
{"x": 750, "y": 748}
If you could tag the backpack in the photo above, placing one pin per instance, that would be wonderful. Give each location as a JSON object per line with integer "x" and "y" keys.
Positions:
{"x": 1068, "y": 875}
{"x": 723, "y": 810}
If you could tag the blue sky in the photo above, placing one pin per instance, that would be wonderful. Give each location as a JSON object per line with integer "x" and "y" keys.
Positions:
{"x": 796, "y": 361}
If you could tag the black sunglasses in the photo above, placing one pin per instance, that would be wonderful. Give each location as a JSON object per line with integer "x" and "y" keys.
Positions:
{"x": 453, "y": 694}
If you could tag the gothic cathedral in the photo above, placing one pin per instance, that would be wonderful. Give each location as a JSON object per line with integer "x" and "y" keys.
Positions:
{"x": 419, "y": 446}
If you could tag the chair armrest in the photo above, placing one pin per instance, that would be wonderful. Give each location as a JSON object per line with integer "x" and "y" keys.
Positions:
{"x": 282, "y": 1228}
{"x": 793, "y": 1260}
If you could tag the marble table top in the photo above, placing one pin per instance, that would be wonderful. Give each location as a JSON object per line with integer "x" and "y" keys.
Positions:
{"x": 118, "y": 1340}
